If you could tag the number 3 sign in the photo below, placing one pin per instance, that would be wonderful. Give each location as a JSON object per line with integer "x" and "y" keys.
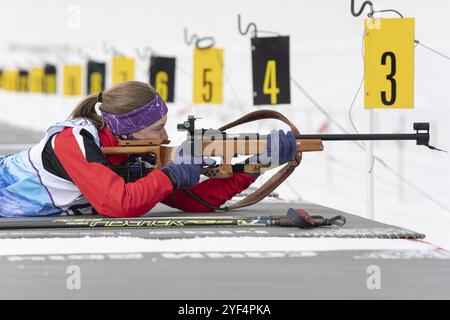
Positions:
{"x": 389, "y": 63}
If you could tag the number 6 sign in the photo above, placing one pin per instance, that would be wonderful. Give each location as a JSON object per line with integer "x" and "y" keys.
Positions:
{"x": 162, "y": 76}
{"x": 389, "y": 63}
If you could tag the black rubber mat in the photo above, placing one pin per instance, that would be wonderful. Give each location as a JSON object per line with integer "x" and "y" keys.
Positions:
{"x": 356, "y": 227}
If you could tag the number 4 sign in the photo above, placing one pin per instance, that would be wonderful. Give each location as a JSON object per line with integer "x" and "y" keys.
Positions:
{"x": 270, "y": 64}
{"x": 389, "y": 63}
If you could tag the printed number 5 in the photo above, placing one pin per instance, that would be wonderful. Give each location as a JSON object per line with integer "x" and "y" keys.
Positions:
{"x": 207, "y": 83}
{"x": 390, "y": 77}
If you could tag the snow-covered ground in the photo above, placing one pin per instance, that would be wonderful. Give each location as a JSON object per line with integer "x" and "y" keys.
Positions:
{"x": 86, "y": 245}
{"x": 325, "y": 60}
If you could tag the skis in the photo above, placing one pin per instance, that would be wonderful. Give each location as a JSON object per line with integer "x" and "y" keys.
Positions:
{"x": 146, "y": 222}
{"x": 302, "y": 220}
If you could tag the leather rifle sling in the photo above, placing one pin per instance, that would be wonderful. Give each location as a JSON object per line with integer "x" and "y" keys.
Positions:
{"x": 282, "y": 174}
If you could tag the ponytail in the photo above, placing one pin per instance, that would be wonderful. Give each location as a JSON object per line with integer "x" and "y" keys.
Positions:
{"x": 86, "y": 109}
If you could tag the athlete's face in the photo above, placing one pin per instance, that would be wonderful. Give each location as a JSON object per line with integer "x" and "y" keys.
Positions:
{"x": 156, "y": 131}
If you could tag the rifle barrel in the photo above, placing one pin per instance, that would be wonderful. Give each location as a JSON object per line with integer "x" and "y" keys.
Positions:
{"x": 421, "y": 138}
{"x": 375, "y": 136}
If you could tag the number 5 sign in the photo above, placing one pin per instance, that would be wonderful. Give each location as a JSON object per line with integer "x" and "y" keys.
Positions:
{"x": 208, "y": 74}
{"x": 389, "y": 63}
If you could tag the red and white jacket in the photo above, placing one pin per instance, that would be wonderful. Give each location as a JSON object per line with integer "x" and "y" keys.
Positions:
{"x": 71, "y": 159}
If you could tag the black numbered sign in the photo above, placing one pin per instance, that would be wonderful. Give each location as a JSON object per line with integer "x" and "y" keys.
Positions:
{"x": 162, "y": 76}
{"x": 49, "y": 78}
{"x": 271, "y": 75}
{"x": 95, "y": 77}
{"x": 22, "y": 84}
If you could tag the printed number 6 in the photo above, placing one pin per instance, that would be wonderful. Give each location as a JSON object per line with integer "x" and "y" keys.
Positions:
{"x": 207, "y": 98}
{"x": 390, "y": 77}
{"x": 161, "y": 84}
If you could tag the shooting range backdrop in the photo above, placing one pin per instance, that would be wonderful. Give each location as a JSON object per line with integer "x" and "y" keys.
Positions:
{"x": 310, "y": 60}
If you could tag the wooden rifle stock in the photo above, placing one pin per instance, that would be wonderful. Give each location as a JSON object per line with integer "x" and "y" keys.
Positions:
{"x": 225, "y": 149}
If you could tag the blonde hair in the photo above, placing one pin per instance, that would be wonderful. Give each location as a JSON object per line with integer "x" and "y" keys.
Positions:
{"x": 120, "y": 98}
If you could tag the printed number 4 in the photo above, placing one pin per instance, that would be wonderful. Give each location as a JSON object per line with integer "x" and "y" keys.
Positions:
{"x": 390, "y": 77}
{"x": 270, "y": 81}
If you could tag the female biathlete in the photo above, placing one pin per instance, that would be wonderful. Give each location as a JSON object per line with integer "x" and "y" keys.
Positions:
{"x": 67, "y": 173}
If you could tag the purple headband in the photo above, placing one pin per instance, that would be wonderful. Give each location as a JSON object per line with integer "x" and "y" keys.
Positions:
{"x": 122, "y": 124}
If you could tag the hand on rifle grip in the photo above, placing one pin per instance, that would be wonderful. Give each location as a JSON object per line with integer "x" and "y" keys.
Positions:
{"x": 183, "y": 175}
{"x": 281, "y": 148}
{"x": 185, "y": 170}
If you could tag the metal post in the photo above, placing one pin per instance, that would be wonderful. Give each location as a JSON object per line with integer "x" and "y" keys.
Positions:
{"x": 401, "y": 163}
{"x": 369, "y": 172}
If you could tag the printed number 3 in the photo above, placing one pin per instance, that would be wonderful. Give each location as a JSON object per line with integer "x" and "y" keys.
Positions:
{"x": 390, "y": 77}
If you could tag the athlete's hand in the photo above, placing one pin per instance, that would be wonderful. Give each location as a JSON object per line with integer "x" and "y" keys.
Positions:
{"x": 281, "y": 149}
{"x": 281, "y": 146}
{"x": 185, "y": 170}
{"x": 183, "y": 175}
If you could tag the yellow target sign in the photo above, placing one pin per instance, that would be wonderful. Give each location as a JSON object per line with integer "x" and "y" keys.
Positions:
{"x": 122, "y": 69}
{"x": 36, "y": 79}
{"x": 10, "y": 79}
{"x": 208, "y": 74}
{"x": 389, "y": 63}
{"x": 72, "y": 80}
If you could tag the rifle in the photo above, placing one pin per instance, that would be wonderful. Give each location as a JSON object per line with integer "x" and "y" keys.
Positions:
{"x": 145, "y": 155}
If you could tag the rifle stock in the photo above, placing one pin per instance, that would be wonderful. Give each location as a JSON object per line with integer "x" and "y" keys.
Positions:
{"x": 225, "y": 149}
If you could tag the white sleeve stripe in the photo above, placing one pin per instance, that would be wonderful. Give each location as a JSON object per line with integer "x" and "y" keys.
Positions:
{"x": 53, "y": 142}
{"x": 79, "y": 138}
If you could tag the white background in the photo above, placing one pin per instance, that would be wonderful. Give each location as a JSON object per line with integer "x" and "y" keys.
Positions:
{"x": 326, "y": 60}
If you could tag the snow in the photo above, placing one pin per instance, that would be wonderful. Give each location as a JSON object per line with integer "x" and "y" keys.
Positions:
{"x": 106, "y": 245}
